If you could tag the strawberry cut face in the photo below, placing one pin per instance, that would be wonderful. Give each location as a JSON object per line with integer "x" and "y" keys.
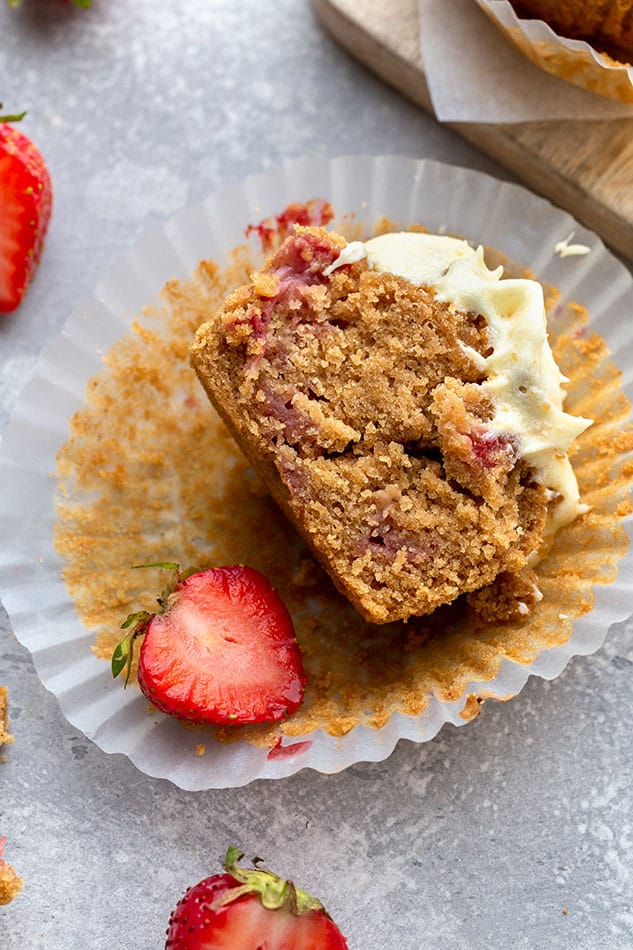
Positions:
{"x": 223, "y": 652}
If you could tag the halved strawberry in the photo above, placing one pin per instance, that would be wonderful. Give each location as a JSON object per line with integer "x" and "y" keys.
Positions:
{"x": 26, "y": 200}
{"x": 222, "y": 650}
{"x": 247, "y": 909}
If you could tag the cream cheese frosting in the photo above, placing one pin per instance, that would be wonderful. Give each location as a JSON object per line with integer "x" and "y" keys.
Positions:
{"x": 565, "y": 249}
{"x": 522, "y": 378}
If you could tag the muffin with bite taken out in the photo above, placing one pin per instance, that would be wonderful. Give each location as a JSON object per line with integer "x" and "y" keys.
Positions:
{"x": 402, "y": 405}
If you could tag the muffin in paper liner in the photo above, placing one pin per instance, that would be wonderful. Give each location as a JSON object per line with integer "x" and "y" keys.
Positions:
{"x": 576, "y": 61}
{"x": 149, "y": 473}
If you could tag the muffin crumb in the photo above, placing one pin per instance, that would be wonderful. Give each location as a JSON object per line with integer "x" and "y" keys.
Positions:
{"x": 5, "y": 735}
{"x": 10, "y": 883}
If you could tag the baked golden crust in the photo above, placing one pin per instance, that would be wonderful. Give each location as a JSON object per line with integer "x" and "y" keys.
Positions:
{"x": 357, "y": 404}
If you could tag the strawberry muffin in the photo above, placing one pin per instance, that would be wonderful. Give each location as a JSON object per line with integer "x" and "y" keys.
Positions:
{"x": 402, "y": 405}
{"x": 606, "y": 24}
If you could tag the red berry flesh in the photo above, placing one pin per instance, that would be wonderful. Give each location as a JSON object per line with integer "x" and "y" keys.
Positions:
{"x": 224, "y": 651}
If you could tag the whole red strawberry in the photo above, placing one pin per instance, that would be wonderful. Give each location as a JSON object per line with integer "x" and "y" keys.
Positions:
{"x": 247, "y": 909}
{"x": 221, "y": 650}
{"x": 26, "y": 201}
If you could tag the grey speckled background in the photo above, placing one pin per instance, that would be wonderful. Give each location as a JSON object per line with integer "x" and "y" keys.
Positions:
{"x": 478, "y": 839}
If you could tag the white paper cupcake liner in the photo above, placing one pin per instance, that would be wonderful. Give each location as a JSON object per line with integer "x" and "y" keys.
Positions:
{"x": 573, "y": 60}
{"x": 442, "y": 197}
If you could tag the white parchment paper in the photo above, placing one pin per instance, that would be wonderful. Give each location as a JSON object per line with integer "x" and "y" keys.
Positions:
{"x": 475, "y": 74}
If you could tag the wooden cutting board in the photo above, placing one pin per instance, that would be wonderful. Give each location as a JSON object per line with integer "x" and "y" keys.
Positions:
{"x": 584, "y": 167}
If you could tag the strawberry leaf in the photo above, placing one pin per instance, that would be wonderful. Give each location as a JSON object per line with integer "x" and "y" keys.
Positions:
{"x": 233, "y": 855}
{"x": 16, "y": 117}
{"x": 124, "y": 650}
{"x": 140, "y": 617}
{"x": 165, "y": 565}
{"x": 273, "y": 891}
{"x": 121, "y": 656}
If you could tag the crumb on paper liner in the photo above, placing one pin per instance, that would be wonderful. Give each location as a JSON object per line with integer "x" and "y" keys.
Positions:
{"x": 575, "y": 61}
{"x": 150, "y": 472}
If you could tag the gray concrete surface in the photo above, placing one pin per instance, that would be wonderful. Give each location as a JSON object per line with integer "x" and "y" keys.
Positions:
{"x": 515, "y": 831}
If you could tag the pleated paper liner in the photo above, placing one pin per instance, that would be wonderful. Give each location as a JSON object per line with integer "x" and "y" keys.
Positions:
{"x": 576, "y": 61}
{"x": 149, "y": 473}
{"x": 162, "y": 478}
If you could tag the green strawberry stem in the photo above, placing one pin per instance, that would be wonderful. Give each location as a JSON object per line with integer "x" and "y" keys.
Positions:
{"x": 274, "y": 892}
